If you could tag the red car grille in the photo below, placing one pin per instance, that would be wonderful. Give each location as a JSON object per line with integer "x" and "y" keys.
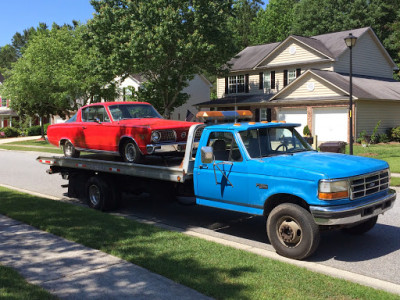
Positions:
{"x": 168, "y": 135}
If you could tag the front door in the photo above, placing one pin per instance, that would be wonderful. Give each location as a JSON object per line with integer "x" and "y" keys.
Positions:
{"x": 223, "y": 183}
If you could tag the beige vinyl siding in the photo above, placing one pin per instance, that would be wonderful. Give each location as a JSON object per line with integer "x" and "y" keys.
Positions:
{"x": 293, "y": 53}
{"x": 310, "y": 87}
{"x": 368, "y": 59}
{"x": 220, "y": 87}
{"x": 369, "y": 113}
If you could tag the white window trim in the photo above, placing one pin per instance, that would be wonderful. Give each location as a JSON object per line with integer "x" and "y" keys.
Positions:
{"x": 234, "y": 82}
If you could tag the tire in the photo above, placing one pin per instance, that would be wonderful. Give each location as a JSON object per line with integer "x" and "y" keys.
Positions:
{"x": 362, "y": 227}
{"x": 99, "y": 194}
{"x": 130, "y": 153}
{"x": 292, "y": 231}
{"x": 69, "y": 150}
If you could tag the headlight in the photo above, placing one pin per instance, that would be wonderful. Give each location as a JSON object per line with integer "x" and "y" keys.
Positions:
{"x": 333, "y": 190}
{"x": 155, "y": 136}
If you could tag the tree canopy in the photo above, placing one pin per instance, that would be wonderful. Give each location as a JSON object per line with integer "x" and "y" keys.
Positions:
{"x": 54, "y": 71}
{"x": 167, "y": 42}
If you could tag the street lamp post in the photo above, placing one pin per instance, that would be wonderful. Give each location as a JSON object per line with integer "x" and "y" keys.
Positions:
{"x": 350, "y": 41}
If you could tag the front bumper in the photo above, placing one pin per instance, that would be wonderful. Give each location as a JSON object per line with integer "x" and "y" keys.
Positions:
{"x": 165, "y": 147}
{"x": 352, "y": 213}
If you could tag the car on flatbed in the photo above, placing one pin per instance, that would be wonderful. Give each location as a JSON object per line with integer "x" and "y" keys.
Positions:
{"x": 129, "y": 129}
{"x": 256, "y": 168}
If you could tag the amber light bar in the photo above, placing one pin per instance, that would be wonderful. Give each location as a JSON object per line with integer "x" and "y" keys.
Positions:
{"x": 224, "y": 115}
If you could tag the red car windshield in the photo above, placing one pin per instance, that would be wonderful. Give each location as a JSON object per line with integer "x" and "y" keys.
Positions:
{"x": 133, "y": 111}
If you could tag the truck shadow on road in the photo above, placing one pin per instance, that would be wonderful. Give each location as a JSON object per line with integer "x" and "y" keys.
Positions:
{"x": 380, "y": 241}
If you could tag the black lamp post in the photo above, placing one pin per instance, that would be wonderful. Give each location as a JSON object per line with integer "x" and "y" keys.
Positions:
{"x": 350, "y": 41}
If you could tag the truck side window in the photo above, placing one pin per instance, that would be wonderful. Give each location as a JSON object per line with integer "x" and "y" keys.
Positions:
{"x": 224, "y": 146}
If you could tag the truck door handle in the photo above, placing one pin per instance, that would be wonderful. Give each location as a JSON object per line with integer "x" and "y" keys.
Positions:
{"x": 203, "y": 167}
{"x": 84, "y": 127}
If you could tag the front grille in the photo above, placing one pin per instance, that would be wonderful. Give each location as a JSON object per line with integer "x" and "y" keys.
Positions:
{"x": 369, "y": 184}
{"x": 167, "y": 135}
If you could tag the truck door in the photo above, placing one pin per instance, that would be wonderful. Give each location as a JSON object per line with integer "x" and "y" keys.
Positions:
{"x": 223, "y": 183}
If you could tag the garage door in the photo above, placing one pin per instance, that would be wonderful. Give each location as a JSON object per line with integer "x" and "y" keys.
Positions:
{"x": 330, "y": 124}
{"x": 291, "y": 115}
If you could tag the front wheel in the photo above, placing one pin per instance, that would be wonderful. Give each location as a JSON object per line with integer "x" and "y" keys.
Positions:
{"x": 130, "y": 153}
{"x": 292, "y": 231}
{"x": 69, "y": 150}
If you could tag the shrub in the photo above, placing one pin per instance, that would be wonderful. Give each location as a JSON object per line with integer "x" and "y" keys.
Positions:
{"x": 396, "y": 134}
{"x": 306, "y": 131}
{"x": 363, "y": 138}
{"x": 375, "y": 135}
{"x": 383, "y": 138}
{"x": 36, "y": 130}
{"x": 11, "y": 132}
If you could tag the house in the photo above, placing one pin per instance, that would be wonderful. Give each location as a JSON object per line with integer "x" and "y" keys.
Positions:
{"x": 198, "y": 89}
{"x": 6, "y": 113}
{"x": 306, "y": 80}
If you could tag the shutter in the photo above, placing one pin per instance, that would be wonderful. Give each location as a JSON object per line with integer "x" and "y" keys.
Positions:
{"x": 257, "y": 115}
{"x": 272, "y": 80}
{"x": 8, "y": 103}
{"x": 226, "y": 86}
{"x": 298, "y": 72}
{"x": 246, "y": 83}
{"x": 285, "y": 78}
{"x": 261, "y": 81}
{"x": 269, "y": 115}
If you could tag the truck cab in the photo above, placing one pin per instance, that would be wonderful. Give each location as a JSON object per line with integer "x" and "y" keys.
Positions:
{"x": 268, "y": 169}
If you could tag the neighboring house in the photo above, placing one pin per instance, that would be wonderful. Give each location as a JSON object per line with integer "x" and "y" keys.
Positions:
{"x": 198, "y": 89}
{"x": 306, "y": 80}
{"x": 6, "y": 114}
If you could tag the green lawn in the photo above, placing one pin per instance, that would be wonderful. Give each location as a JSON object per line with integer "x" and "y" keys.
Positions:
{"x": 32, "y": 145}
{"x": 387, "y": 152}
{"x": 218, "y": 271}
{"x": 14, "y": 286}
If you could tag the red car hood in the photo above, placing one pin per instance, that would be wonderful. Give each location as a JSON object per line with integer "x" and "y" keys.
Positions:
{"x": 156, "y": 123}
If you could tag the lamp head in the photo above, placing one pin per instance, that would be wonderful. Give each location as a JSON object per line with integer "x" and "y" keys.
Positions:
{"x": 350, "y": 40}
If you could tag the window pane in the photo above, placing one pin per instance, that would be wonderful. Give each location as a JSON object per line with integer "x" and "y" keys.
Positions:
{"x": 291, "y": 75}
{"x": 267, "y": 80}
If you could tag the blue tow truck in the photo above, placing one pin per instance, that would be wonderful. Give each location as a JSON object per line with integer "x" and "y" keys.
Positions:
{"x": 259, "y": 168}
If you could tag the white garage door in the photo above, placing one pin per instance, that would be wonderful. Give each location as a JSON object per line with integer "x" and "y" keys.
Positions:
{"x": 330, "y": 124}
{"x": 291, "y": 115}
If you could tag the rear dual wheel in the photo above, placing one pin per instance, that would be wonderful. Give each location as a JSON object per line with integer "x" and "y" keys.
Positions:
{"x": 100, "y": 196}
{"x": 292, "y": 231}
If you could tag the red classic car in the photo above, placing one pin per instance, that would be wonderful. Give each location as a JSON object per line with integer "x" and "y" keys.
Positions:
{"x": 129, "y": 129}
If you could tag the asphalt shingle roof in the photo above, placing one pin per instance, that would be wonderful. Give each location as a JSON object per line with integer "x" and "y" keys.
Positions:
{"x": 329, "y": 44}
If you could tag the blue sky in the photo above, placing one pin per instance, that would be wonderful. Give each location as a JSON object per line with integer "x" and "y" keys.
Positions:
{"x": 17, "y": 15}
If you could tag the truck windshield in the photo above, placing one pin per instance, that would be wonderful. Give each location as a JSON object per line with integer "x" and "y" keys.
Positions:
{"x": 263, "y": 142}
{"x": 133, "y": 111}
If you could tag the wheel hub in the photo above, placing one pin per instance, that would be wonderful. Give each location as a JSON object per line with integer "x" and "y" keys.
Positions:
{"x": 289, "y": 232}
{"x": 94, "y": 194}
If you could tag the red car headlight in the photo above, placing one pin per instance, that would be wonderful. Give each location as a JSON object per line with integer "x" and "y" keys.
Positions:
{"x": 155, "y": 136}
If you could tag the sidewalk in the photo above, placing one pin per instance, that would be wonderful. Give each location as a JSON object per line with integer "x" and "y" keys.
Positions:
{"x": 72, "y": 271}
{"x": 18, "y": 139}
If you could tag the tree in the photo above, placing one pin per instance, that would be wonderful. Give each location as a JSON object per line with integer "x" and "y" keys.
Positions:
{"x": 54, "y": 70}
{"x": 274, "y": 23}
{"x": 240, "y": 23}
{"x": 167, "y": 42}
{"x": 8, "y": 55}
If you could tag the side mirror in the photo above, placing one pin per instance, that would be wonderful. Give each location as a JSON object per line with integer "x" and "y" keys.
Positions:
{"x": 207, "y": 155}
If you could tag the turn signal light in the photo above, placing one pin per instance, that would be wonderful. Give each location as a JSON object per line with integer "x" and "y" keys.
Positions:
{"x": 333, "y": 196}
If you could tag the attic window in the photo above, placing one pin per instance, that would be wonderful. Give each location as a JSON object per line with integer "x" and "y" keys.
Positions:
{"x": 3, "y": 102}
{"x": 292, "y": 50}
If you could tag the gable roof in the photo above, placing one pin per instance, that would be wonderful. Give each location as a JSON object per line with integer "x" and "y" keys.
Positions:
{"x": 331, "y": 45}
{"x": 364, "y": 87}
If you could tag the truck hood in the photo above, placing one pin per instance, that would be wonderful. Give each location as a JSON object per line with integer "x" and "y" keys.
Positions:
{"x": 329, "y": 165}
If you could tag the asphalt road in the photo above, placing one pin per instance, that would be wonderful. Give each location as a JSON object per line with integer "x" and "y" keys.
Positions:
{"x": 375, "y": 254}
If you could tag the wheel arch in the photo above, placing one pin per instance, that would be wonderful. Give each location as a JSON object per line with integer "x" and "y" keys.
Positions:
{"x": 125, "y": 139}
{"x": 63, "y": 140}
{"x": 281, "y": 198}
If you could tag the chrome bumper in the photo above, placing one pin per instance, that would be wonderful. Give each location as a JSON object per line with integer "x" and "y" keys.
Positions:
{"x": 167, "y": 147}
{"x": 352, "y": 213}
